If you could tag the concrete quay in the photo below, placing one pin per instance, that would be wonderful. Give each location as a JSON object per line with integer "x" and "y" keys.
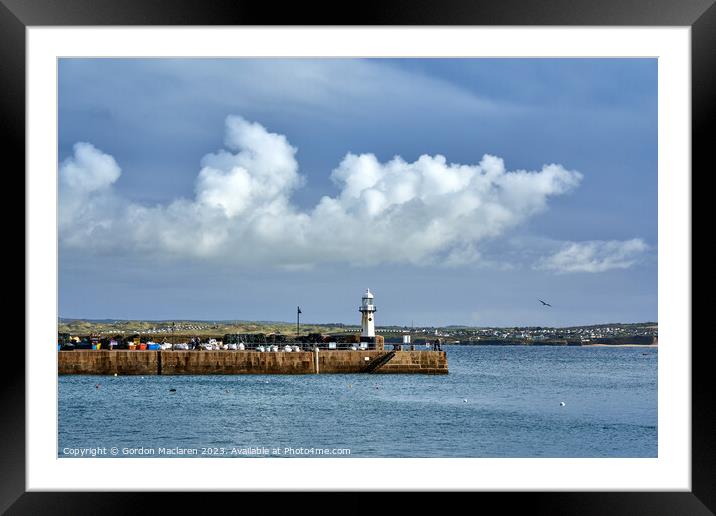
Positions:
{"x": 124, "y": 362}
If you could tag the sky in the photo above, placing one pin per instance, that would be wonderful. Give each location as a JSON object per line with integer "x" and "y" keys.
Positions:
{"x": 460, "y": 191}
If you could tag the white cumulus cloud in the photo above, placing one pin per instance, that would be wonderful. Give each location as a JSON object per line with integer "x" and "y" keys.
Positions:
{"x": 89, "y": 169}
{"x": 85, "y": 189}
{"x": 594, "y": 256}
{"x": 427, "y": 211}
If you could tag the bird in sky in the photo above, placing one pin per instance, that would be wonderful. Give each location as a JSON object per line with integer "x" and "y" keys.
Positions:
{"x": 544, "y": 303}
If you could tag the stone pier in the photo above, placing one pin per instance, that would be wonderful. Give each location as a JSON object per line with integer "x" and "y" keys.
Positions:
{"x": 124, "y": 362}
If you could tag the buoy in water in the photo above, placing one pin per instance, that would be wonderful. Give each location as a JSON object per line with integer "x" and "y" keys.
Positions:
{"x": 464, "y": 400}
{"x": 561, "y": 404}
{"x": 115, "y": 374}
{"x": 96, "y": 386}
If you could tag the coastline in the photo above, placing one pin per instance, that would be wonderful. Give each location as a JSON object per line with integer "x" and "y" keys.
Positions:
{"x": 620, "y": 345}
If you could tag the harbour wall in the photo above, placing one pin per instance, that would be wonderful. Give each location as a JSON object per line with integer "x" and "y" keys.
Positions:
{"x": 122, "y": 362}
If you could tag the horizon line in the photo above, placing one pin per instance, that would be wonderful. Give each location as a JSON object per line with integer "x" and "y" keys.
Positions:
{"x": 349, "y": 324}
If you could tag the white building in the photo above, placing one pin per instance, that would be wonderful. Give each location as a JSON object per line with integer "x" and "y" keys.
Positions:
{"x": 367, "y": 309}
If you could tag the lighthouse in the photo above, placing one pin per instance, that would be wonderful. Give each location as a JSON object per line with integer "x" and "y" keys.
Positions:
{"x": 367, "y": 309}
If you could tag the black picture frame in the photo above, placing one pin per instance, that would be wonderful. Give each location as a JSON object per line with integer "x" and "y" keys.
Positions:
{"x": 16, "y": 15}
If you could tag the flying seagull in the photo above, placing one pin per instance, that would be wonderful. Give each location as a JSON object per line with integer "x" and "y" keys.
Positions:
{"x": 545, "y": 304}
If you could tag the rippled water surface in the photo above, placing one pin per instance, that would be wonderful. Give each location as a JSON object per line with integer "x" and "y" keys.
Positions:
{"x": 496, "y": 402}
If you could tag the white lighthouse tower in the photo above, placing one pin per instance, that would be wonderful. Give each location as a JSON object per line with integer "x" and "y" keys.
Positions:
{"x": 367, "y": 309}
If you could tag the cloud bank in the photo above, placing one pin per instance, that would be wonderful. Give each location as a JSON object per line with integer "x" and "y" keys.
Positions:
{"x": 594, "y": 256}
{"x": 427, "y": 211}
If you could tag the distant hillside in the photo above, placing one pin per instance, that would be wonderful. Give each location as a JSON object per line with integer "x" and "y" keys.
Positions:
{"x": 200, "y": 328}
{"x": 189, "y": 327}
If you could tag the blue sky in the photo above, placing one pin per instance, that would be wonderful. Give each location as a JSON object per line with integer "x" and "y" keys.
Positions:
{"x": 240, "y": 188}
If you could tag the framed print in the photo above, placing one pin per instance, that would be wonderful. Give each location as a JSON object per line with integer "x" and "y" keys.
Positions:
{"x": 413, "y": 250}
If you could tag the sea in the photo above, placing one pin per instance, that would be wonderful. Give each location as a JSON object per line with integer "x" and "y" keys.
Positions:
{"x": 496, "y": 401}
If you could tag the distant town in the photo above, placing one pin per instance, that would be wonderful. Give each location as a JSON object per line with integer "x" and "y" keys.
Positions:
{"x": 76, "y": 330}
